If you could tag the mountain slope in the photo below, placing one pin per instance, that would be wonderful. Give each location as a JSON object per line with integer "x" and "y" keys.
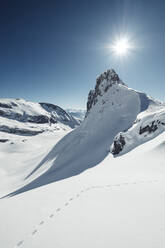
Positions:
{"x": 22, "y": 117}
{"x": 78, "y": 114}
{"x": 114, "y": 109}
{"x": 149, "y": 124}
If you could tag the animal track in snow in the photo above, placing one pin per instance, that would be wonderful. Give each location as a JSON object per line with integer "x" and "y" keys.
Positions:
{"x": 34, "y": 232}
{"x": 21, "y": 242}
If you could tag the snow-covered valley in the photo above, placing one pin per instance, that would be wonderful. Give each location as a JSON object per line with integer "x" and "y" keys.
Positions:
{"x": 97, "y": 184}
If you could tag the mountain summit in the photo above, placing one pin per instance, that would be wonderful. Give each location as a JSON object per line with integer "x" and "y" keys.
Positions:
{"x": 103, "y": 83}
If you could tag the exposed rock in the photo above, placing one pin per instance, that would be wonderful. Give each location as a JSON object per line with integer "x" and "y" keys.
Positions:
{"x": 58, "y": 114}
{"x": 118, "y": 144}
{"x": 149, "y": 128}
{"x": 40, "y": 119}
{"x": 3, "y": 105}
{"x": 19, "y": 131}
{"x": 25, "y": 113}
{"x": 103, "y": 83}
{"x": 4, "y": 140}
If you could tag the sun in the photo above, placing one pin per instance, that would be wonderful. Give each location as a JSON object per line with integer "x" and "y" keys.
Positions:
{"x": 121, "y": 47}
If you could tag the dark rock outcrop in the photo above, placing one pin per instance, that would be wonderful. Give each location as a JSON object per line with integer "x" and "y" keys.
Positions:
{"x": 118, "y": 145}
{"x": 4, "y": 105}
{"x": 4, "y": 140}
{"x": 19, "y": 131}
{"x": 103, "y": 83}
{"x": 39, "y": 119}
{"x": 151, "y": 128}
{"x": 58, "y": 114}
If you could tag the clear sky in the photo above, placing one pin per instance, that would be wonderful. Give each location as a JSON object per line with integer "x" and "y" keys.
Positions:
{"x": 52, "y": 51}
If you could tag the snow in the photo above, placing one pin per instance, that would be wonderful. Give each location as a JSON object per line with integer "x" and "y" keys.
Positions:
{"x": 87, "y": 145}
{"x": 119, "y": 203}
{"x": 52, "y": 192}
{"x": 149, "y": 124}
{"x": 29, "y": 118}
{"x": 78, "y": 114}
{"x": 20, "y": 155}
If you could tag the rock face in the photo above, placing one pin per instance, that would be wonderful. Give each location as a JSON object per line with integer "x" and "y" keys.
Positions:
{"x": 19, "y": 131}
{"x": 121, "y": 139}
{"x": 148, "y": 125}
{"x": 58, "y": 114}
{"x": 103, "y": 83}
{"x": 151, "y": 128}
{"x": 118, "y": 145}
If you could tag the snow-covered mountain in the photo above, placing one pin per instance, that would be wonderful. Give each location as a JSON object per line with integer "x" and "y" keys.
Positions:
{"x": 116, "y": 117}
{"x": 112, "y": 108}
{"x": 18, "y": 116}
{"x": 78, "y": 114}
{"x": 124, "y": 194}
{"x": 149, "y": 123}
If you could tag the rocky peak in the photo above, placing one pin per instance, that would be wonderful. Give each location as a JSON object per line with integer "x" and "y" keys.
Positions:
{"x": 103, "y": 83}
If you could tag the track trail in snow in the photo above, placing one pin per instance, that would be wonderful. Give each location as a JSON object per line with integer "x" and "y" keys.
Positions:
{"x": 67, "y": 203}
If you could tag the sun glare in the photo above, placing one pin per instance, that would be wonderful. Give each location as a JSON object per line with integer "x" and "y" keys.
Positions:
{"x": 121, "y": 47}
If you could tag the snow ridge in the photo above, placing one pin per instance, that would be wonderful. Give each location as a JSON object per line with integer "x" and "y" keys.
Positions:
{"x": 149, "y": 124}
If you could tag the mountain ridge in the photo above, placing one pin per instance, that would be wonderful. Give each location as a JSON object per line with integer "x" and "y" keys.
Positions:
{"x": 22, "y": 117}
{"x": 114, "y": 112}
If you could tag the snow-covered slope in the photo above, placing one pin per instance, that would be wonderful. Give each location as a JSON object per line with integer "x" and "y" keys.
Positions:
{"x": 113, "y": 109}
{"x": 148, "y": 124}
{"x": 28, "y": 118}
{"x": 119, "y": 203}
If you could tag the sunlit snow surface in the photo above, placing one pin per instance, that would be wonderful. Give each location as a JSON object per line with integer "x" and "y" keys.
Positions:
{"x": 84, "y": 147}
{"x": 58, "y": 197}
{"x": 119, "y": 203}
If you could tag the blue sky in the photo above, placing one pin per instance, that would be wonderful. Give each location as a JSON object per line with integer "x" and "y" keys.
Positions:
{"x": 52, "y": 51}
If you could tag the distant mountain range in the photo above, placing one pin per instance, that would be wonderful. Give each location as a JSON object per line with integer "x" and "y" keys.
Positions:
{"x": 78, "y": 114}
{"x": 22, "y": 117}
